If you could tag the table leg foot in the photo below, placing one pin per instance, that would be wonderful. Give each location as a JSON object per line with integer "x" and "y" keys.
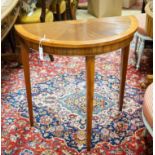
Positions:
{"x": 25, "y": 61}
{"x": 124, "y": 64}
{"x": 90, "y": 69}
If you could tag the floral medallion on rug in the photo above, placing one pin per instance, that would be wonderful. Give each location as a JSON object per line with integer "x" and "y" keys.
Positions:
{"x": 59, "y": 106}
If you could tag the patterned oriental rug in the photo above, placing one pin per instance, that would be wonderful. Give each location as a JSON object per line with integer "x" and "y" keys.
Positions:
{"x": 59, "y": 106}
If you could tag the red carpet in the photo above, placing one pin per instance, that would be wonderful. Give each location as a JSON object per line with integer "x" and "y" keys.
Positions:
{"x": 58, "y": 90}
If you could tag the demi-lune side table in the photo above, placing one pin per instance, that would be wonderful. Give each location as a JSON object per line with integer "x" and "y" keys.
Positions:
{"x": 86, "y": 38}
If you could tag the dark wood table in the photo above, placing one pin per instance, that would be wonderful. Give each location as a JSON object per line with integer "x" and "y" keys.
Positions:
{"x": 86, "y": 38}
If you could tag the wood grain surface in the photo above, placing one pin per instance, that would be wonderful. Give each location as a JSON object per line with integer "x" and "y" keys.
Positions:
{"x": 80, "y": 33}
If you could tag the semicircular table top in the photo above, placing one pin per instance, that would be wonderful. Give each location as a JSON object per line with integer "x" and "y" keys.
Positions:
{"x": 80, "y": 33}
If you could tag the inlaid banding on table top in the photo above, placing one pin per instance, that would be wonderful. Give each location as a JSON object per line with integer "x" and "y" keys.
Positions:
{"x": 80, "y": 33}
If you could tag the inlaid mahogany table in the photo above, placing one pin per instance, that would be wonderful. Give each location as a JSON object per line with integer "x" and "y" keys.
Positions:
{"x": 86, "y": 38}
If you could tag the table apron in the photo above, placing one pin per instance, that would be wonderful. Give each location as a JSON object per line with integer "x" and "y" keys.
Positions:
{"x": 91, "y": 51}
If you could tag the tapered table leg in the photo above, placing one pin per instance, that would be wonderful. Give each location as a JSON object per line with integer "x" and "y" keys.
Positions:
{"x": 25, "y": 61}
{"x": 124, "y": 64}
{"x": 90, "y": 68}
